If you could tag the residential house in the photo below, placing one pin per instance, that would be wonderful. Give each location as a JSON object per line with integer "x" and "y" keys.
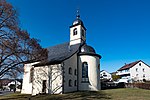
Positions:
{"x": 105, "y": 75}
{"x": 135, "y": 71}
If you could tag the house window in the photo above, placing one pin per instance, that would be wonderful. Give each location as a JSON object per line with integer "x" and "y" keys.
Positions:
{"x": 143, "y": 70}
{"x": 127, "y": 70}
{"x": 75, "y": 31}
{"x": 75, "y": 72}
{"x": 31, "y": 74}
{"x": 85, "y": 72}
{"x": 105, "y": 75}
{"x": 139, "y": 64}
{"x": 70, "y": 70}
{"x": 143, "y": 75}
{"x": 136, "y": 69}
{"x": 70, "y": 83}
{"x": 75, "y": 83}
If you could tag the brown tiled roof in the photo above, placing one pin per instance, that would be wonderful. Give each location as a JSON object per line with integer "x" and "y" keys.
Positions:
{"x": 127, "y": 66}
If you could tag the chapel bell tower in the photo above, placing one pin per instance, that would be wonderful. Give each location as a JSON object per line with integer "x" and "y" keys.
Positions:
{"x": 77, "y": 31}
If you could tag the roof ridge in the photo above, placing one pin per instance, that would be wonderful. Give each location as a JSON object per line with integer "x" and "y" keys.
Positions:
{"x": 135, "y": 61}
{"x": 57, "y": 45}
{"x": 129, "y": 65}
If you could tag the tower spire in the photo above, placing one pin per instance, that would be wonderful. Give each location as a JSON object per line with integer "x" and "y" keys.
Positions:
{"x": 78, "y": 14}
{"x": 77, "y": 31}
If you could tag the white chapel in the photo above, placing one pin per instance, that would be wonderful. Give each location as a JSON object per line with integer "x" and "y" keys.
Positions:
{"x": 71, "y": 66}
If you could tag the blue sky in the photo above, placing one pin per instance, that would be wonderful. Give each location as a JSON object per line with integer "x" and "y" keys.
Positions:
{"x": 119, "y": 30}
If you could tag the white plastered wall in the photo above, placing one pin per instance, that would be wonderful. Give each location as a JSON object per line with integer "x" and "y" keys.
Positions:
{"x": 71, "y": 62}
{"x": 56, "y": 79}
{"x": 40, "y": 74}
{"x": 138, "y": 74}
{"x": 93, "y": 73}
{"x": 75, "y": 39}
{"x": 27, "y": 85}
{"x": 53, "y": 76}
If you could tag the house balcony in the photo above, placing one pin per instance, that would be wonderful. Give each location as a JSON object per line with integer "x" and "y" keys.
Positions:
{"x": 122, "y": 73}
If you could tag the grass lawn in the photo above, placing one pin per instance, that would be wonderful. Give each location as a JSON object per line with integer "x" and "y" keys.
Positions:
{"x": 111, "y": 94}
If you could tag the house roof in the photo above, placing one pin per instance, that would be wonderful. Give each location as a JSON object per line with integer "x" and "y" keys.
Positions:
{"x": 104, "y": 71}
{"x": 59, "y": 53}
{"x": 130, "y": 65}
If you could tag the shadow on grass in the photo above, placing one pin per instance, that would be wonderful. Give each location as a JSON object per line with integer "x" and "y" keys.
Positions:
{"x": 87, "y": 95}
{"x": 83, "y": 95}
{"x": 16, "y": 96}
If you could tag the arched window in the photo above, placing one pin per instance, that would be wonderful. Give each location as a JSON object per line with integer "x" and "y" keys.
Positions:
{"x": 85, "y": 72}
{"x": 75, "y": 83}
{"x": 75, "y": 72}
{"x": 70, "y": 83}
{"x": 70, "y": 70}
{"x": 75, "y": 31}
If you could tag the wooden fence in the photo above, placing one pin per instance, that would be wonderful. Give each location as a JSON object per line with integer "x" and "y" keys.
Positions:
{"x": 138, "y": 85}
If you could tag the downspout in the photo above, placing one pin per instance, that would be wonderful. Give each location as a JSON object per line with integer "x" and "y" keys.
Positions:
{"x": 50, "y": 78}
{"x": 77, "y": 73}
{"x": 62, "y": 65}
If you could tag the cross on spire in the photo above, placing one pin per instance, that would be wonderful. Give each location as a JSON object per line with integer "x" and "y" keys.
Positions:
{"x": 78, "y": 14}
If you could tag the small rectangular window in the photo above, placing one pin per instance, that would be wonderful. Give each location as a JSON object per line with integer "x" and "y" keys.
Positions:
{"x": 136, "y": 69}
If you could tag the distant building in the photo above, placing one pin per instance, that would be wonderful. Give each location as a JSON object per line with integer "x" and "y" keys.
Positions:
{"x": 4, "y": 82}
{"x": 135, "y": 71}
{"x": 14, "y": 82}
{"x": 105, "y": 75}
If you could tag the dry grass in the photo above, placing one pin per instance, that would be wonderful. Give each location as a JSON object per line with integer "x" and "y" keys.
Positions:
{"x": 15, "y": 96}
{"x": 128, "y": 94}
{"x": 111, "y": 94}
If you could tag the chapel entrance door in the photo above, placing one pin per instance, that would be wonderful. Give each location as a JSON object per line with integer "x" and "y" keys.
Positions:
{"x": 44, "y": 86}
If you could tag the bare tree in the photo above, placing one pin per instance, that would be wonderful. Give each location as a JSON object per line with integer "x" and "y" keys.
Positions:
{"x": 16, "y": 46}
